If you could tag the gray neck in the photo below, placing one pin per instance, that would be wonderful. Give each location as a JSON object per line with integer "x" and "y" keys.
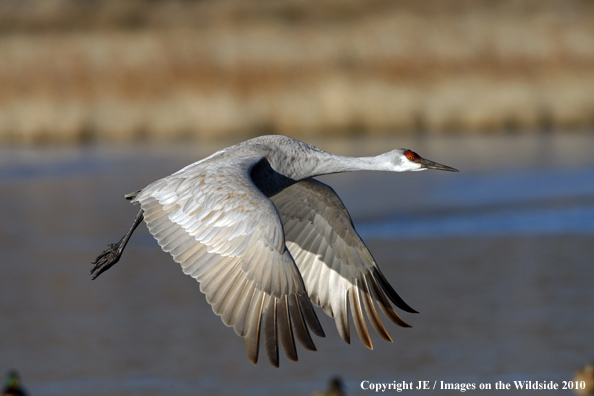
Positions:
{"x": 321, "y": 163}
{"x": 296, "y": 160}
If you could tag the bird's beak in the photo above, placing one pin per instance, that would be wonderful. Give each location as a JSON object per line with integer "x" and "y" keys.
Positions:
{"x": 425, "y": 163}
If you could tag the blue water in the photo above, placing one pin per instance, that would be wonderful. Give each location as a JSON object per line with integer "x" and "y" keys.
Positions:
{"x": 527, "y": 222}
{"x": 540, "y": 202}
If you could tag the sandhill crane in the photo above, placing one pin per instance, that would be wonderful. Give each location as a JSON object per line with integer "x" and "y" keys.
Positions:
{"x": 265, "y": 240}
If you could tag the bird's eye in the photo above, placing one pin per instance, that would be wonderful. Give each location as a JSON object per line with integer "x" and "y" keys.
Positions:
{"x": 410, "y": 155}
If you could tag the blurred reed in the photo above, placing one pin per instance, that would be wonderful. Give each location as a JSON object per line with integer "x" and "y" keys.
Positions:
{"x": 79, "y": 71}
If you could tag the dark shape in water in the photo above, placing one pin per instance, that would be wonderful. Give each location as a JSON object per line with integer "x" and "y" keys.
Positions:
{"x": 12, "y": 385}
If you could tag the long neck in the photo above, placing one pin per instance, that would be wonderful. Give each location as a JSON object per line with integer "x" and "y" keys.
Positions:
{"x": 322, "y": 163}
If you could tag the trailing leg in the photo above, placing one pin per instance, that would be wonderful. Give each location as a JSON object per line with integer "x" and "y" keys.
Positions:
{"x": 109, "y": 257}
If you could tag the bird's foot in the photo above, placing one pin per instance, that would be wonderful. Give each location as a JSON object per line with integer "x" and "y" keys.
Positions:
{"x": 107, "y": 259}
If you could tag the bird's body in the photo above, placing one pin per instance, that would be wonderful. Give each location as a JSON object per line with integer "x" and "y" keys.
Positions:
{"x": 263, "y": 238}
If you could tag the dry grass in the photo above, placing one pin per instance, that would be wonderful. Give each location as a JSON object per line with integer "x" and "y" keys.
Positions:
{"x": 178, "y": 70}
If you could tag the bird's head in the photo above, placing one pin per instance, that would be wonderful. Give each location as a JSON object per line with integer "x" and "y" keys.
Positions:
{"x": 405, "y": 160}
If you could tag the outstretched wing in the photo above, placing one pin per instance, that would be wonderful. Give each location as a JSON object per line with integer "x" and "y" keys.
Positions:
{"x": 225, "y": 233}
{"x": 335, "y": 264}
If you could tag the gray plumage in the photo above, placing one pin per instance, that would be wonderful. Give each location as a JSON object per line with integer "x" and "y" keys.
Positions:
{"x": 264, "y": 239}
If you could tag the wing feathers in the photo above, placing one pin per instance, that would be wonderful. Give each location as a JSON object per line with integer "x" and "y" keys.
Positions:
{"x": 211, "y": 282}
{"x": 284, "y": 329}
{"x": 372, "y": 314}
{"x": 309, "y": 315}
{"x": 221, "y": 289}
{"x": 387, "y": 288}
{"x": 269, "y": 330}
{"x": 236, "y": 298}
{"x": 252, "y": 337}
{"x": 336, "y": 266}
{"x": 300, "y": 327}
{"x": 358, "y": 318}
{"x": 341, "y": 314}
{"x": 384, "y": 304}
{"x": 241, "y": 325}
{"x": 227, "y": 235}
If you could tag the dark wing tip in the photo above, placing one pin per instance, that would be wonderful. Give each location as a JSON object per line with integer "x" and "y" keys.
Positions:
{"x": 132, "y": 195}
{"x": 390, "y": 292}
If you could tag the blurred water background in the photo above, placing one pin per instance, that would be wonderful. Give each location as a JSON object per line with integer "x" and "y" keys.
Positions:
{"x": 100, "y": 98}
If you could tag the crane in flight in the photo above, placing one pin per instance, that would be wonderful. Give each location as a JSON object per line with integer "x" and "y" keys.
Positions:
{"x": 265, "y": 240}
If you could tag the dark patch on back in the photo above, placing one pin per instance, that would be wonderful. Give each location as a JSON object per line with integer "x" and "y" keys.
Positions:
{"x": 269, "y": 181}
